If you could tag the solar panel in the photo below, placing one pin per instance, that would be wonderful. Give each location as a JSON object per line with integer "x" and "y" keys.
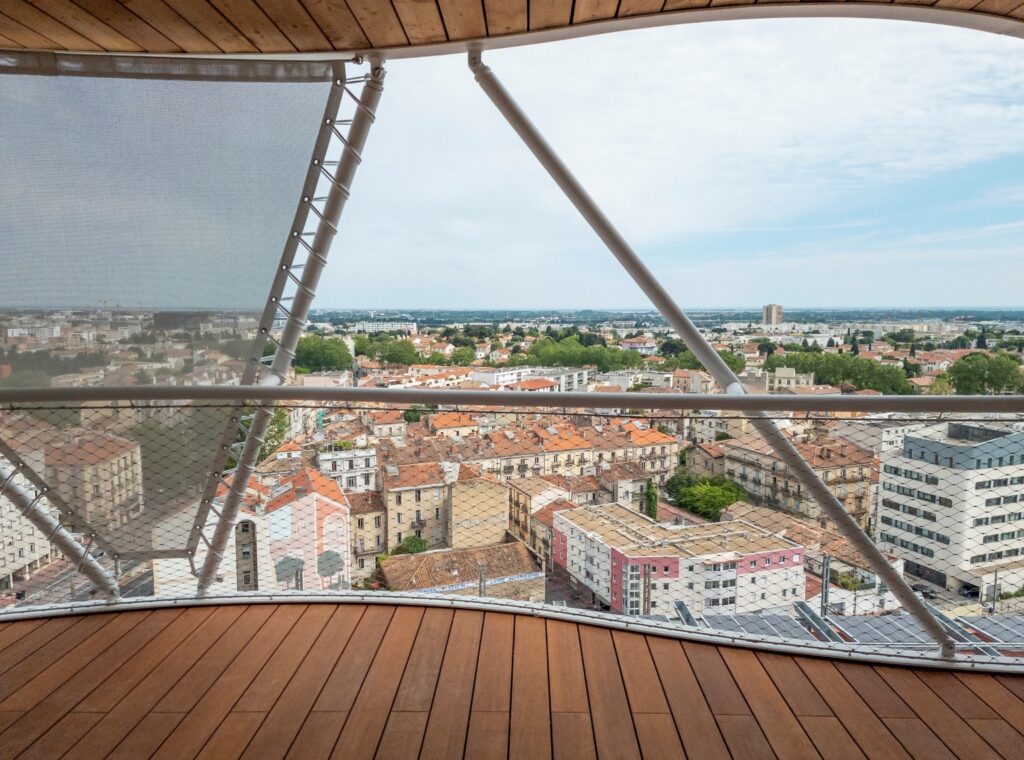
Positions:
{"x": 769, "y": 625}
{"x": 1005, "y": 628}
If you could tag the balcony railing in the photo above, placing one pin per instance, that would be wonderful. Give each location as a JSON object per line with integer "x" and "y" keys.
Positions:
{"x": 298, "y": 522}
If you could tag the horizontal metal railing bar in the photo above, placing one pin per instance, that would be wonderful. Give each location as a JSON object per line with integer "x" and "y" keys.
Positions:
{"x": 670, "y": 401}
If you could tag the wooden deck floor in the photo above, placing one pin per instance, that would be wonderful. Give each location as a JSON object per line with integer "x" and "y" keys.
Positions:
{"x": 355, "y": 681}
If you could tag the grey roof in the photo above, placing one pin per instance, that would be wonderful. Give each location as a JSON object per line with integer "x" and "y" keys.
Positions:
{"x": 770, "y": 624}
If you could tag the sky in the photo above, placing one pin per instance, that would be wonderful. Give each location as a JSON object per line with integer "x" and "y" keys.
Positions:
{"x": 804, "y": 162}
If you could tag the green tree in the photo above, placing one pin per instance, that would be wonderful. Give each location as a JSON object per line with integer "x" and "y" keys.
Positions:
{"x": 981, "y": 374}
{"x": 410, "y": 545}
{"x": 400, "y": 352}
{"x": 941, "y": 386}
{"x": 415, "y": 414}
{"x": 651, "y": 500}
{"x": 463, "y": 356}
{"x": 316, "y": 353}
{"x": 706, "y": 497}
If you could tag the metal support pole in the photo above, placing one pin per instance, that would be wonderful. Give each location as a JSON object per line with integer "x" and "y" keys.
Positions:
{"x": 327, "y": 228}
{"x": 28, "y": 503}
{"x": 696, "y": 342}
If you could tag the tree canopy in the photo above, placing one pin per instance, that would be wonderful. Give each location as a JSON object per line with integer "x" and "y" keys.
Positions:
{"x": 834, "y": 369}
{"x": 982, "y": 374}
{"x": 317, "y": 353}
{"x": 706, "y": 497}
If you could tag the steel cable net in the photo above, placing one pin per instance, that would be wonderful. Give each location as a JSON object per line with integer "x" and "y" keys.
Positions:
{"x": 671, "y": 519}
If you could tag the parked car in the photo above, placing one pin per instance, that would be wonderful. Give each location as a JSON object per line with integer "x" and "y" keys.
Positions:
{"x": 971, "y": 592}
{"x": 926, "y": 591}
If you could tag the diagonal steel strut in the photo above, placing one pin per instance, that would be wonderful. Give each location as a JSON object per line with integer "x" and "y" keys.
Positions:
{"x": 696, "y": 342}
{"x": 327, "y": 228}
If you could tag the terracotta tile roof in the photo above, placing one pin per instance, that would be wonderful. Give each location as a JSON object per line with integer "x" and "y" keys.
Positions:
{"x": 436, "y": 569}
{"x": 387, "y": 417}
{"x": 546, "y": 516}
{"x": 85, "y": 449}
{"x": 443, "y": 420}
{"x": 533, "y": 384}
{"x": 365, "y": 502}
{"x": 306, "y": 481}
{"x": 413, "y": 475}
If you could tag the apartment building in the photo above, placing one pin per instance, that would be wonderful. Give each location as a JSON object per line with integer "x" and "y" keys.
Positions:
{"x": 353, "y": 466}
{"x": 635, "y": 566}
{"x": 771, "y": 314}
{"x": 844, "y": 467}
{"x": 100, "y": 473}
{"x": 476, "y": 509}
{"x": 414, "y": 497}
{"x": 369, "y": 531}
{"x": 777, "y": 380}
{"x": 526, "y": 497}
{"x": 952, "y": 504}
{"x": 710, "y": 425}
{"x": 23, "y": 549}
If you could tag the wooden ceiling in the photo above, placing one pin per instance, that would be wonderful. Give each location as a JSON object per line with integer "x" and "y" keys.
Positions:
{"x": 288, "y": 26}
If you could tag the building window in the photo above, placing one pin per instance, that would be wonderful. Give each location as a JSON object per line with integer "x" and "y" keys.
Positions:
{"x": 362, "y": 564}
{"x": 398, "y": 499}
{"x": 419, "y": 496}
{"x": 376, "y": 522}
{"x": 398, "y": 518}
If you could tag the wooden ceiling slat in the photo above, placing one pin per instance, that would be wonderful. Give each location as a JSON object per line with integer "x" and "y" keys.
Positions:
{"x": 678, "y": 5}
{"x": 160, "y": 16}
{"x": 336, "y": 21}
{"x": 593, "y": 10}
{"x": 639, "y": 7}
{"x": 962, "y": 5}
{"x": 118, "y": 17}
{"x": 5, "y": 42}
{"x": 255, "y": 25}
{"x": 421, "y": 21}
{"x": 46, "y": 25}
{"x": 209, "y": 22}
{"x": 379, "y": 21}
{"x": 296, "y": 24}
{"x": 1002, "y": 7}
{"x": 464, "y": 19}
{"x": 507, "y": 16}
{"x": 550, "y": 14}
{"x": 21, "y": 36}
{"x": 87, "y": 25}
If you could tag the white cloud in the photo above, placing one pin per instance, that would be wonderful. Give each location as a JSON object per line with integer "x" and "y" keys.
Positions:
{"x": 676, "y": 132}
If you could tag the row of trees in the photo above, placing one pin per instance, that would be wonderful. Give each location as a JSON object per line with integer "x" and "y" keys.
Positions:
{"x": 836, "y": 369}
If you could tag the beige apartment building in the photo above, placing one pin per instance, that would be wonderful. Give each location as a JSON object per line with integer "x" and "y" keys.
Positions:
{"x": 844, "y": 467}
{"x": 477, "y": 510}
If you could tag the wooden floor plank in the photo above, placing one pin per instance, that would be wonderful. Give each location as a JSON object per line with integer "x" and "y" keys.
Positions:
{"x": 572, "y": 736}
{"x": 289, "y": 712}
{"x": 202, "y": 676}
{"x": 776, "y": 719}
{"x": 1000, "y": 735}
{"x": 860, "y": 721}
{"x": 369, "y": 713}
{"x": 720, "y": 690}
{"x": 954, "y": 693}
{"x": 832, "y": 741}
{"x": 530, "y": 732}
{"x": 213, "y": 704}
{"x": 801, "y": 696}
{"x": 565, "y": 668}
{"x": 416, "y": 692}
{"x": 233, "y": 736}
{"x": 344, "y": 683}
{"x": 49, "y": 656}
{"x": 639, "y": 674}
{"x": 694, "y": 721}
{"x": 119, "y": 683}
{"x": 613, "y": 734}
{"x": 120, "y": 721}
{"x": 146, "y": 738}
{"x": 1007, "y": 704}
{"x": 18, "y": 630}
{"x": 318, "y": 735}
{"x": 493, "y": 686}
{"x": 386, "y": 681}
{"x": 63, "y": 737}
{"x": 658, "y": 736}
{"x": 874, "y": 690}
{"x": 487, "y": 735}
{"x": 21, "y": 649}
{"x": 45, "y": 709}
{"x": 264, "y": 690}
{"x": 403, "y": 735}
{"x": 744, "y": 737}
{"x": 445, "y": 734}
{"x": 920, "y": 741}
{"x": 946, "y": 724}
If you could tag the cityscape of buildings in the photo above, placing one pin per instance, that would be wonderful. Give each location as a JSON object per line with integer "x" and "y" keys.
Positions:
{"x": 596, "y": 508}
